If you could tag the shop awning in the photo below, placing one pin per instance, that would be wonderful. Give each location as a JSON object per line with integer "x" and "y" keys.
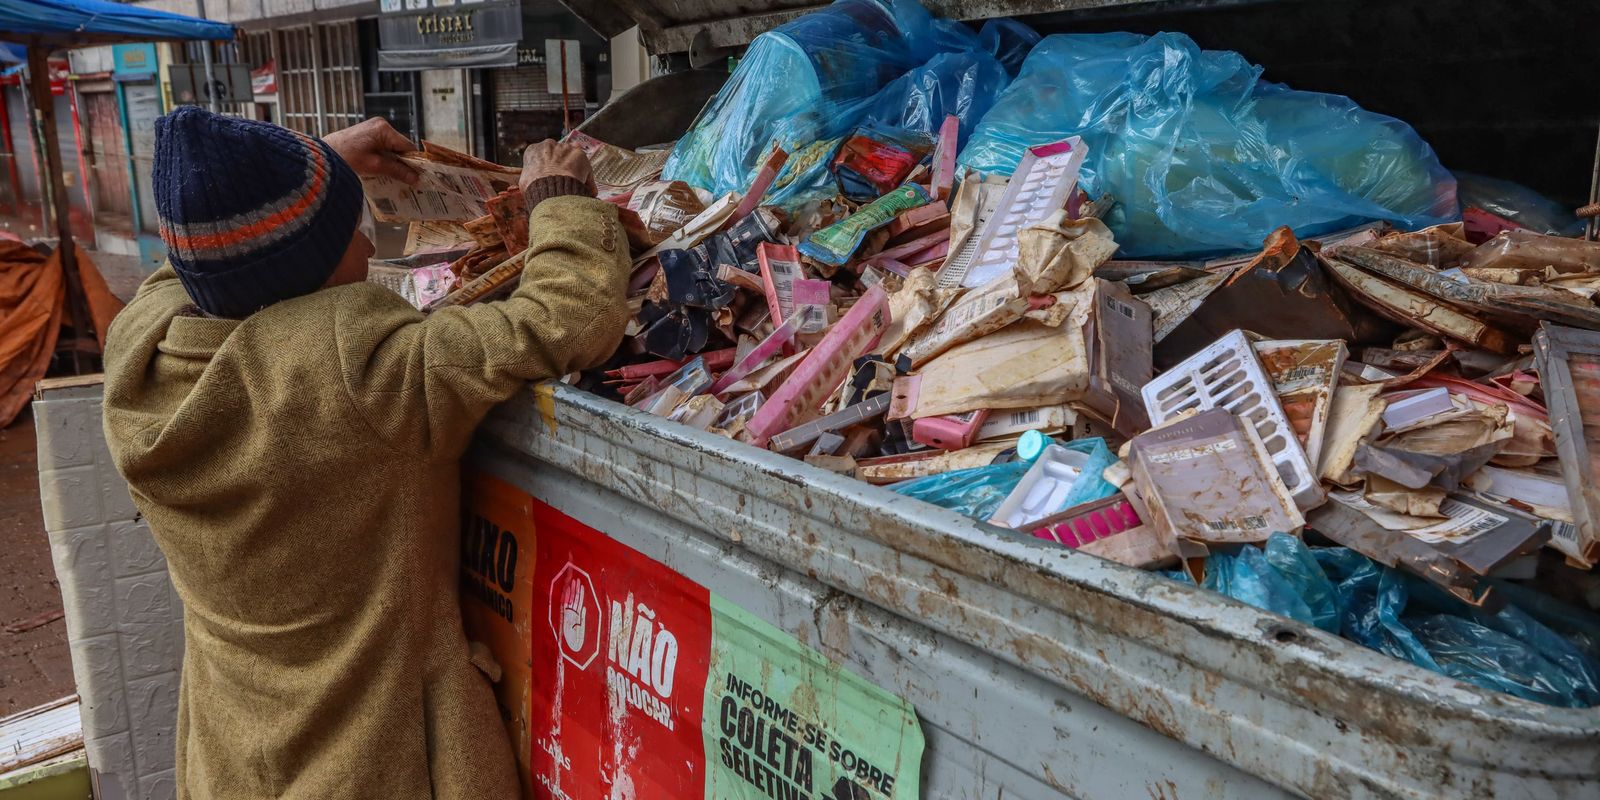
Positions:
{"x": 75, "y": 23}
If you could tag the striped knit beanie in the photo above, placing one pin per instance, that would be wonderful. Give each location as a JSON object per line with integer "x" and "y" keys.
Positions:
{"x": 251, "y": 213}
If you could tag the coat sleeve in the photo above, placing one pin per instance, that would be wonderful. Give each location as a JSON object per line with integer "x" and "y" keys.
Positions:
{"x": 435, "y": 377}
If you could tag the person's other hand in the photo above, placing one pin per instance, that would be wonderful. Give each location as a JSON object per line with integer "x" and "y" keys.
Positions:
{"x": 551, "y": 158}
{"x": 372, "y": 149}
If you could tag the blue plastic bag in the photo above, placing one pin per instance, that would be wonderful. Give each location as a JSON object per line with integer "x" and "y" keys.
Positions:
{"x": 1282, "y": 578}
{"x": 1009, "y": 41}
{"x": 1508, "y": 651}
{"x": 1344, "y": 592}
{"x": 803, "y": 86}
{"x": 1579, "y": 627}
{"x": 1517, "y": 203}
{"x": 1371, "y": 600}
{"x": 1298, "y": 568}
{"x": 979, "y": 491}
{"x": 1248, "y": 578}
{"x": 1489, "y": 658}
{"x": 1201, "y": 155}
{"x": 1091, "y": 483}
{"x": 965, "y": 84}
{"x": 974, "y": 492}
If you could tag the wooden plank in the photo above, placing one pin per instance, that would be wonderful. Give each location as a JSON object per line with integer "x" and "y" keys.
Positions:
{"x": 69, "y": 382}
{"x": 1410, "y": 307}
{"x": 1516, "y": 306}
{"x": 40, "y": 733}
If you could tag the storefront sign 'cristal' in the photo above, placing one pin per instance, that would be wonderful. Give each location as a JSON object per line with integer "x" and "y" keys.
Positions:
{"x": 444, "y": 34}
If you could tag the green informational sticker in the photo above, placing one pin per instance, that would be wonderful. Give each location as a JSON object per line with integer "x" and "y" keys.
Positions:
{"x": 781, "y": 721}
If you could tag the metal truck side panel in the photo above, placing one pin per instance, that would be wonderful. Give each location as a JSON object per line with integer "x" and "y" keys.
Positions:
{"x": 945, "y": 611}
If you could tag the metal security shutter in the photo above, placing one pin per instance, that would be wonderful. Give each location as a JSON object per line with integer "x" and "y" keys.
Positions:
{"x": 525, "y": 111}
{"x": 523, "y": 88}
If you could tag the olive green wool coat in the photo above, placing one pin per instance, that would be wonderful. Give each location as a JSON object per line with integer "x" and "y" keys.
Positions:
{"x": 300, "y": 470}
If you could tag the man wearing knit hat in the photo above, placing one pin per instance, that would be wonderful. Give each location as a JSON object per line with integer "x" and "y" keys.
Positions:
{"x": 292, "y": 434}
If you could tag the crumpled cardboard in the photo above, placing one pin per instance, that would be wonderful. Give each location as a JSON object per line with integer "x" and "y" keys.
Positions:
{"x": 974, "y": 314}
{"x": 1440, "y": 455}
{"x": 1355, "y": 415}
{"x": 917, "y": 303}
{"x": 1413, "y": 307}
{"x": 1022, "y": 366}
{"x": 1507, "y": 305}
{"x": 1441, "y": 246}
{"x": 1422, "y": 502}
{"x": 1060, "y": 253}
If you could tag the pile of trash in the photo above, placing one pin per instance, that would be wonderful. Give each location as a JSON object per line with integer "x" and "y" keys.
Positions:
{"x": 1003, "y": 275}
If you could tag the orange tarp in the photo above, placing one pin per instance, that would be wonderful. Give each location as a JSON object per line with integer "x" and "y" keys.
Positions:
{"x": 32, "y": 308}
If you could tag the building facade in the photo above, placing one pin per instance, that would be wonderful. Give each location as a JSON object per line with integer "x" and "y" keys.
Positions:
{"x": 455, "y": 74}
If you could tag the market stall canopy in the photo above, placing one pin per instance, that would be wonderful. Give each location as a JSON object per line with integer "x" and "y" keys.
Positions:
{"x": 41, "y": 26}
{"x": 75, "y": 23}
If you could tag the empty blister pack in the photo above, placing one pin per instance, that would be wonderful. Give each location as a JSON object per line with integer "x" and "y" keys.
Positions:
{"x": 1228, "y": 375}
{"x": 1043, "y": 490}
{"x": 983, "y": 199}
{"x": 1041, "y": 185}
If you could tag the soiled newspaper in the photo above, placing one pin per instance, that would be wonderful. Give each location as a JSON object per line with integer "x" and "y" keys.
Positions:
{"x": 435, "y": 236}
{"x": 446, "y": 192}
{"x": 484, "y": 286}
{"x": 618, "y": 170}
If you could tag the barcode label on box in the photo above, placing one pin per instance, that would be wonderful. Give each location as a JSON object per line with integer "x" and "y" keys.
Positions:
{"x": 1566, "y": 532}
{"x": 813, "y": 319}
{"x": 1193, "y": 452}
{"x": 1464, "y": 522}
{"x": 1029, "y": 417}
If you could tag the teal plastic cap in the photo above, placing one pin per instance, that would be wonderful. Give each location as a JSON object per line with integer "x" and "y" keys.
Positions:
{"x": 1032, "y": 444}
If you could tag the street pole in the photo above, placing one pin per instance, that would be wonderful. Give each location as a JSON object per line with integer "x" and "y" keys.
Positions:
{"x": 45, "y": 124}
{"x": 211, "y": 79}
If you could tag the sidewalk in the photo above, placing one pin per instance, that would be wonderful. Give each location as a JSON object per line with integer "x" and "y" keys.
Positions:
{"x": 35, "y": 666}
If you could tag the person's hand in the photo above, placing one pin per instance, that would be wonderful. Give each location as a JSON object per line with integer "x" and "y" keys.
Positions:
{"x": 551, "y": 158}
{"x": 372, "y": 150}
